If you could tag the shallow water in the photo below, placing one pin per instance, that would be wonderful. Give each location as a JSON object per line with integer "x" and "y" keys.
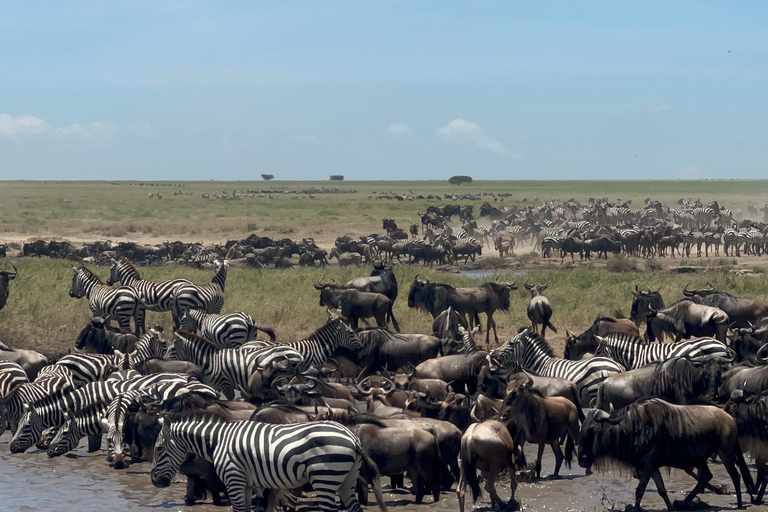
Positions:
{"x": 84, "y": 482}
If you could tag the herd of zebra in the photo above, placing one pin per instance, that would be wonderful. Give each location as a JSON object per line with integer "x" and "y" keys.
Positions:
{"x": 259, "y": 421}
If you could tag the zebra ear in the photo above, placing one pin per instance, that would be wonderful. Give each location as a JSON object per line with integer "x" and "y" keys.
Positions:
{"x": 25, "y": 407}
{"x": 104, "y": 424}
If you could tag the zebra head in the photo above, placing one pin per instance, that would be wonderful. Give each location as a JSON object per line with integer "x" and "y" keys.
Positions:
{"x": 29, "y": 430}
{"x": 168, "y": 457}
{"x": 347, "y": 338}
{"x": 512, "y": 351}
{"x": 77, "y": 290}
{"x": 114, "y": 273}
{"x": 3, "y": 415}
{"x": 67, "y": 437}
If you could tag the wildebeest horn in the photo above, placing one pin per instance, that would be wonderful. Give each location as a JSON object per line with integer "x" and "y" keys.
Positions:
{"x": 759, "y": 353}
{"x": 711, "y": 288}
{"x": 391, "y": 385}
{"x": 319, "y": 286}
{"x": 593, "y": 402}
{"x": 472, "y": 413}
{"x": 686, "y": 292}
{"x": 362, "y": 391}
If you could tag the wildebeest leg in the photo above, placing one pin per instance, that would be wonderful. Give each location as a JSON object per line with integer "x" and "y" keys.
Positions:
{"x": 540, "y": 454}
{"x": 558, "y": 456}
{"x": 762, "y": 479}
{"x": 661, "y": 489}
{"x": 730, "y": 461}
{"x": 417, "y": 485}
{"x": 641, "y": 485}
{"x": 490, "y": 484}
{"x": 705, "y": 475}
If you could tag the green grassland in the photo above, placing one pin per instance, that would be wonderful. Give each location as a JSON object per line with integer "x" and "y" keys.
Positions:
{"x": 92, "y": 210}
{"x": 41, "y": 315}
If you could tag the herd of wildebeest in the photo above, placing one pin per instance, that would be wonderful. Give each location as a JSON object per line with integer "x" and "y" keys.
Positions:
{"x": 257, "y": 421}
{"x": 555, "y": 229}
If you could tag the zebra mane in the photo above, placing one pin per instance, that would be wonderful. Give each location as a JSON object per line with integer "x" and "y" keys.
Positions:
{"x": 194, "y": 337}
{"x": 90, "y": 273}
{"x": 540, "y": 343}
{"x": 620, "y": 338}
{"x": 331, "y": 324}
{"x": 129, "y": 264}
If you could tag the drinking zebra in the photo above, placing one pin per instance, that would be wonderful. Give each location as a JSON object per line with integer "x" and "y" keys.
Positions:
{"x": 120, "y": 303}
{"x": 209, "y": 297}
{"x": 85, "y": 423}
{"x": 250, "y": 455}
{"x": 224, "y": 331}
{"x": 155, "y": 295}
{"x": 534, "y": 354}
{"x": 51, "y": 380}
{"x": 632, "y": 352}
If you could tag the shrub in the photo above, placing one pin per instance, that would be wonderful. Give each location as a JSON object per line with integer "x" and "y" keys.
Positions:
{"x": 620, "y": 263}
{"x": 459, "y": 180}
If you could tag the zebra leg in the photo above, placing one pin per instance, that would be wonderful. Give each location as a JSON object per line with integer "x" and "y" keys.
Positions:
{"x": 235, "y": 481}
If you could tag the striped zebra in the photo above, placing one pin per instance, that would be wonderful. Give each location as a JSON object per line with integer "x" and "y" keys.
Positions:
{"x": 252, "y": 455}
{"x": 155, "y": 295}
{"x": 269, "y": 355}
{"x": 731, "y": 242}
{"x": 534, "y": 354}
{"x": 85, "y": 423}
{"x": 224, "y": 331}
{"x": 548, "y": 245}
{"x": 633, "y": 353}
{"x": 49, "y": 411}
{"x": 87, "y": 368}
{"x": 119, "y": 303}
{"x": 12, "y": 375}
{"x": 113, "y": 421}
{"x": 209, "y": 297}
{"x": 54, "y": 380}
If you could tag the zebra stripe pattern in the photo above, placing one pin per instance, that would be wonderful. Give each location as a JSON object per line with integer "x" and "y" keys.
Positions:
{"x": 282, "y": 457}
{"x": 224, "y": 331}
{"x": 209, "y": 297}
{"x": 52, "y": 379}
{"x": 632, "y": 353}
{"x": 87, "y": 368}
{"x": 534, "y": 354}
{"x": 155, "y": 295}
{"x": 12, "y": 375}
{"x": 120, "y": 303}
{"x": 85, "y": 423}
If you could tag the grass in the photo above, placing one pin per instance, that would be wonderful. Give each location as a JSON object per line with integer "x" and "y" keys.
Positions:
{"x": 41, "y": 315}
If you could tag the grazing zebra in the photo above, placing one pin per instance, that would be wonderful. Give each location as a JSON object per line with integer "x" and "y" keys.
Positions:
{"x": 49, "y": 411}
{"x": 54, "y": 380}
{"x": 120, "y": 303}
{"x": 252, "y": 455}
{"x": 632, "y": 353}
{"x": 224, "y": 331}
{"x": 155, "y": 295}
{"x": 209, "y": 297}
{"x": 536, "y": 355}
{"x": 85, "y": 423}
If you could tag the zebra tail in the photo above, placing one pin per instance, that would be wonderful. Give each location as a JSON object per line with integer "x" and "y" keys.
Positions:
{"x": 370, "y": 472}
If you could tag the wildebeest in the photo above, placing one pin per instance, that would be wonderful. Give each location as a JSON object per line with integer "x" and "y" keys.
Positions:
{"x": 541, "y": 420}
{"x": 96, "y": 337}
{"x": 489, "y": 447}
{"x": 679, "y": 380}
{"x": 644, "y": 301}
{"x": 383, "y": 349}
{"x": 577, "y": 346}
{"x": 5, "y": 277}
{"x": 652, "y": 433}
{"x": 685, "y": 319}
{"x": 746, "y": 377}
{"x": 742, "y": 312}
{"x": 751, "y": 414}
{"x": 32, "y": 362}
{"x": 382, "y": 280}
{"x": 355, "y": 305}
{"x": 486, "y": 298}
{"x": 539, "y": 310}
{"x": 602, "y": 245}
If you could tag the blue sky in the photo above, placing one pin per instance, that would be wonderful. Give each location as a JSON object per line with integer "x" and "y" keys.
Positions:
{"x": 383, "y": 90}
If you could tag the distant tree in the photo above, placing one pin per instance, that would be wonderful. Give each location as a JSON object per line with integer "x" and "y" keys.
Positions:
{"x": 337, "y": 177}
{"x": 458, "y": 180}
{"x": 267, "y": 177}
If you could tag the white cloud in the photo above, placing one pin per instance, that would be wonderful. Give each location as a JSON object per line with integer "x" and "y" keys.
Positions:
{"x": 459, "y": 129}
{"x": 306, "y": 139}
{"x": 19, "y": 126}
{"x": 398, "y": 129}
{"x": 690, "y": 173}
{"x": 93, "y": 132}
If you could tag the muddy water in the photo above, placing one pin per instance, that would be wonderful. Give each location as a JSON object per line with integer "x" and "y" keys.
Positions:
{"x": 83, "y": 482}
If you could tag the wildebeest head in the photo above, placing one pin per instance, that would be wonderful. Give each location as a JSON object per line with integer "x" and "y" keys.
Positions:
{"x": 644, "y": 301}
{"x": 329, "y": 295}
{"x": 590, "y": 431}
{"x": 536, "y": 288}
{"x": 699, "y": 294}
{"x": 5, "y": 277}
{"x": 93, "y": 337}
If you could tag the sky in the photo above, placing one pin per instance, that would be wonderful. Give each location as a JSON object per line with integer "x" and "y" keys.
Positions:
{"x": 375, "y": 90}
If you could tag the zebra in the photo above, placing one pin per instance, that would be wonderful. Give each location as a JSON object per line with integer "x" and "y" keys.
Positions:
{"x": 209, "y": 297}
{"x": 224, "y": 331}
{"x": 155, "y": 295}
{"x": 12, "y": 375}
{"x": 87, "y": 368}
{"x": 548, "y": 245}
{"x": 249, "y": 455}
{"x": 120, "y": 303}
{"x": 113, "y": 421}
{"x": 731, "y": 241}
{"x": 54, "y": 380}
{"x": 318, "y": 347}
{"x": 633, "y": 353}
{"x": 268, "y": 355}
{"x": 49, "y": 411}
{"x": 85, "y": 423}
{"x": 536, "y": 355}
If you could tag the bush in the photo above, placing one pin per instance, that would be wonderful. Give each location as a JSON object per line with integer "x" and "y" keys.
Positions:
{"x": 620, "y": 263}
{"x": 459, "y": 180}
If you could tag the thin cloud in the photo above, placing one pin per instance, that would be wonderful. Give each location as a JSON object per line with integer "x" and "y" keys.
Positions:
{"x": 21, "y": 126}
{"x": 467, "y": 131}
{"x": 93, "y": 132}
{"x": 306, "y": 139}
{"x": 400, "y": 130}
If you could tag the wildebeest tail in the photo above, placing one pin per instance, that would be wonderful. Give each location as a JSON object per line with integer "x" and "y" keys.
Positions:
{"x": 269, "y": 332}
{"x": 370, "y": 473}
{"x": 569, "y": 449}
{"x": 549, "y": 324}
{"x": 469, "y": 473}
{"x": 391, "y": 317}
